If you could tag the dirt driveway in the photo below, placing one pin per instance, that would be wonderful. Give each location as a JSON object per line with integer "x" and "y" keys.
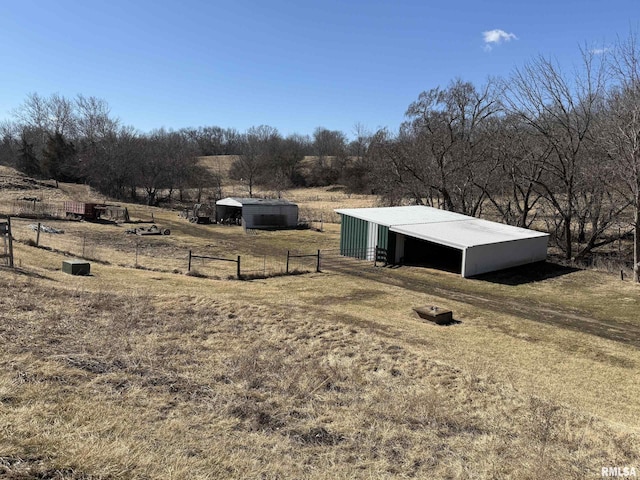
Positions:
{"x": 548, "y": 313}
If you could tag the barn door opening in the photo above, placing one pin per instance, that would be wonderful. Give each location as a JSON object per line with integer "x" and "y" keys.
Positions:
{"x": 432, "y": 255}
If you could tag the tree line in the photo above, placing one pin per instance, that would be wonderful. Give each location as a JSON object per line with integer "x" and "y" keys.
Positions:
{"x": 78, "y": 140}
{"x": 547, "y": 146}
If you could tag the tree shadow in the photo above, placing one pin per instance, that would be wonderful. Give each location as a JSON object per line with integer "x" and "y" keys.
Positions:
{"x": 531, "y": 273}
{"x": 27, "y": 273}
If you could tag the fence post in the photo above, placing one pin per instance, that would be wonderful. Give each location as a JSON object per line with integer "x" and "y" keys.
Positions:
{"x": 238, "y": 270}
{"x": 318, "y": 263}
{"x": 287, "y": 271}
{"x": 38, "y": 236}
{"x": 84, "y": 243}
{"x": 189, "y": 267}
{"x": 10, "y": 241}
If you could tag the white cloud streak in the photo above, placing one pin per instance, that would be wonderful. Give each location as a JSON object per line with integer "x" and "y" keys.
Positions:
{"x": 496, "y": 37}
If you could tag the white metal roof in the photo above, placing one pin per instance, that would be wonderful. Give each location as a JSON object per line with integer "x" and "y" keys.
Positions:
{"x": 466, "y": 233}
{"x": 413, "y": 214}
{"x": 239, "y": 202}
{"x": 440, "y": 226}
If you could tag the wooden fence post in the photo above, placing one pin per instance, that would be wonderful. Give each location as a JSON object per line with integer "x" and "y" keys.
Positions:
{"x": 10, "y": 242}
{"x": 238, "y": 268}
{"x": 318, "y": 263}
{"x": 189, "y": 267}
{"x": 288, "y": 253}
{"x": 38, "y": 236}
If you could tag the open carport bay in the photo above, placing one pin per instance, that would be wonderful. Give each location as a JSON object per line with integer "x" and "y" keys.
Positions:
{"x": 430, "y": 254}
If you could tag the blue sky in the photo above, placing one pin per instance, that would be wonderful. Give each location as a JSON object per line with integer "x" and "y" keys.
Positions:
{"x": 294, "y": 65}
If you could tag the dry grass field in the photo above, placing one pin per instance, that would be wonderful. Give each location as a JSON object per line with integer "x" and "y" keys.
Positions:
{"x": 153, "y": 374}
{"x": 316, "y": 203}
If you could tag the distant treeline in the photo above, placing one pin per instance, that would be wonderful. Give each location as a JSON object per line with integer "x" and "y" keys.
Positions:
{"x": 77, "y": 140}
{"x": 543, "y": 146}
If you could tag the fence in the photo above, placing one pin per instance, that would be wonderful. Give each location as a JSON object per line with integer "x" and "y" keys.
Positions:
{"x": 353, "y": 259}
{"x": 110, "y": 245}
{"x": 251, "y": 266}
{"x": 193, "y": 258}
{"x": 107, "y": 244}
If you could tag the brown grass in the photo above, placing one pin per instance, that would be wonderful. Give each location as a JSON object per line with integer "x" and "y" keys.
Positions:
{"x": 145, "y": 373}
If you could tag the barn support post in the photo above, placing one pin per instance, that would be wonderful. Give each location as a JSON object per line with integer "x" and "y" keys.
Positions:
{"x": 287, "y": 270}
{"x": 318, "y": 263}
{"x": 189, "y": 266}
{"x": 38, "y": 235}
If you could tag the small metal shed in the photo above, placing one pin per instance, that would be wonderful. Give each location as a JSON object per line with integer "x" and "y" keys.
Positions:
{"x": 258, "y": 213}
{"x": 426, "y": 235}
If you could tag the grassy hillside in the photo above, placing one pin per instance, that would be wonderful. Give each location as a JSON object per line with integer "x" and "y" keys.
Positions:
{"x": 150, "y": 373}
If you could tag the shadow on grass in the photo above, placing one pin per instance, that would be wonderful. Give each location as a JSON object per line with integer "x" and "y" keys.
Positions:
{"x": 534, "y": 272}
{"x": 27, "y": 273}
{"x": 450, "y": 323}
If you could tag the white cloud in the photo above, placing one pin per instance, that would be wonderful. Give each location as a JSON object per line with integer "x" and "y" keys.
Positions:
{"x": 496, "y": 37}
{"x": 600, "y": 51}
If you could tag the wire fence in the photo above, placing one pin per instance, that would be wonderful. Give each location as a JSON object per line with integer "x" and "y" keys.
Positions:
{"x": 111, "y": 245}
{"x": 252, "y": 266}
{"x": 338, "y": 259}
{"x": 100, "y": 243}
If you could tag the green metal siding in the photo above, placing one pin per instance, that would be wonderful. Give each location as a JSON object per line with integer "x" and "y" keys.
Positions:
{"x": 383, "y": 237}
{"x": 353, "y": 237}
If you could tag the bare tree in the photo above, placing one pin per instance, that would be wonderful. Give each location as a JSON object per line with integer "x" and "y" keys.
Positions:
{"x": 560, "y": 112}
{"x": 330, "y": 149}
{"x": 621, "y": 132}
{"x": 449, "y": 130}
{"x": 53, "y": 115}
{"x": 256, "y": 150}
{"x": 9, "y": 142}
{"x": 516, "y": 168}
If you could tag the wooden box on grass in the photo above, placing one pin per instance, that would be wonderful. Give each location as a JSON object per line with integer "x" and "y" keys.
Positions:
{"x": 76, "y": 267}
{"x": 434, "y": 314}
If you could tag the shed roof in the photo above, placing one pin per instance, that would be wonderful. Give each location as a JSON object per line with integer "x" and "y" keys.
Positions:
{"x": 442, "y": 227}
{"x": 467, "y": 233}
{"x": 239, "y": 202}
{"x": 414, "y": 214}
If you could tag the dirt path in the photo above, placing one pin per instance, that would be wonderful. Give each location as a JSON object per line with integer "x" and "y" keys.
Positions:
{"x": 531, "y": 310}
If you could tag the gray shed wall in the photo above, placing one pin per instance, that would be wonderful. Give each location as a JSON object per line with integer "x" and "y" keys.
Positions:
{"x": 498, "y": 256}
{"x": 270, "y": 216}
